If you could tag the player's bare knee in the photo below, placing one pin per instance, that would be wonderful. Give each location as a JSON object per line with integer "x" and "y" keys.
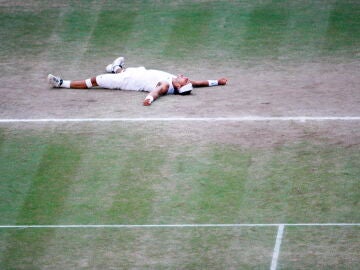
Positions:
{"x": 93, "y": 81}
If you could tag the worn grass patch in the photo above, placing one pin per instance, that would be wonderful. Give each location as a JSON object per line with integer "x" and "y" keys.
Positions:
{"x": 320, "y": 248}
{"x": 187, "y": 248}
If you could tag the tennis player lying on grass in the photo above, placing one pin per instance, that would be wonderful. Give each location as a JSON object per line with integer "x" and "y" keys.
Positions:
{"x": 156, "y": 82}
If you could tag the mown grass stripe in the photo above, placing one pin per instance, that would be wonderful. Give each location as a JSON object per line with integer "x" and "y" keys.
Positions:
{"x": 45, "y": 199}
{"x": 111, "y": 34}
{"x": 19, "y": 161}
{"x": 83, "y": 46}
{"x": 190, "y": 32}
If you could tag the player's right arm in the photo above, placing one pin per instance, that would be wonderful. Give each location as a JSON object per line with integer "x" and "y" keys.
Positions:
{"x": 160, "y": 90}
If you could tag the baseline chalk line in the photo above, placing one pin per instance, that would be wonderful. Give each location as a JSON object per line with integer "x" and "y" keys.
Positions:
{"x": 190, "y": 119}
{"x": 175, "y": 225}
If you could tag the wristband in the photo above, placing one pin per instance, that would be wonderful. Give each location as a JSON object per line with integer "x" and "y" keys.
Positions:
{"x": 150, "y": 97}
{"x": 213, "y": 82}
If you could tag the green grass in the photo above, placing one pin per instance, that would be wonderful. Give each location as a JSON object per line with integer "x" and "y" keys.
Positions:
{"x": 61, "y": 179}
{"x": 25, "y": 32}
{"x": 185, "y": 31}
{"x": 309, "y": 181}
{"x": 114, "y": 176}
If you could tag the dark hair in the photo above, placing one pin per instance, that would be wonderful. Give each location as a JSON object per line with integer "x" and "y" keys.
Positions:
{"x": 185, "y": 93}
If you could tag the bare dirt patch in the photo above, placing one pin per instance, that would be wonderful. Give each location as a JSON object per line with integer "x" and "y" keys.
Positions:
{"x": 311, "y": 89}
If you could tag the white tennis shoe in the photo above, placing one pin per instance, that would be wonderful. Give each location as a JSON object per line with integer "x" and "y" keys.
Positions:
{"x": 54, "y": 81}
{"x": 118, "y": 62}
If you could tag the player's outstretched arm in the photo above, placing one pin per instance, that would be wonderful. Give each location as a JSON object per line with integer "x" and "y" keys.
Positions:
{"x": 161, "y": 89}
{"x": 207, "y": 83}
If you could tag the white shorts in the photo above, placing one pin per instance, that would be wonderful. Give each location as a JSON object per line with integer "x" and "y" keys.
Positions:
{"x": 130, "y": 79}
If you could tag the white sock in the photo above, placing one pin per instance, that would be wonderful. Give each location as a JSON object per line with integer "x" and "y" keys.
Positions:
{"x": 65, "y": 84}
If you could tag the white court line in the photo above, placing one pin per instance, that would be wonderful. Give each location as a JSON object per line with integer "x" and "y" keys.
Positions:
{"x": 129, "y": 226}
{"x": 190, "y": 119}
{"x": 276, "y": 252}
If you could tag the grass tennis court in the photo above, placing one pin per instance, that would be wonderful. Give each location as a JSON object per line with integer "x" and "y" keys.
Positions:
{"x": 69, "y": 174}
{"x": 178, "y": 194}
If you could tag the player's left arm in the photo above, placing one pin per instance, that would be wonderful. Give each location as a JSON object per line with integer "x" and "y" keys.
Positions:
{"x": 207, "y": 83}
{"x": 160, "y": 90}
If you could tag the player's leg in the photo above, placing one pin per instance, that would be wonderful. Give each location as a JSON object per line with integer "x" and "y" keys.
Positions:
{"x": 113, "y": 81}
{"x": 128, "y": 79}
{"x": 58, "y": 82}
{"x": 84, "y": 84}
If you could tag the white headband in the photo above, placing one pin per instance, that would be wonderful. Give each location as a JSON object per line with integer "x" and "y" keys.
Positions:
{"x": 186, "y": 88}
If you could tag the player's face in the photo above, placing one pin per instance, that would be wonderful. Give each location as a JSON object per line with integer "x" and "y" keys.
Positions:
{"x": 183, "y": 80}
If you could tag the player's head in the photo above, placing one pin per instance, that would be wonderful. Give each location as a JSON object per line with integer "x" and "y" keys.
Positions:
{"x": 182, "y": 80}
{"x": 182, "y": 85}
